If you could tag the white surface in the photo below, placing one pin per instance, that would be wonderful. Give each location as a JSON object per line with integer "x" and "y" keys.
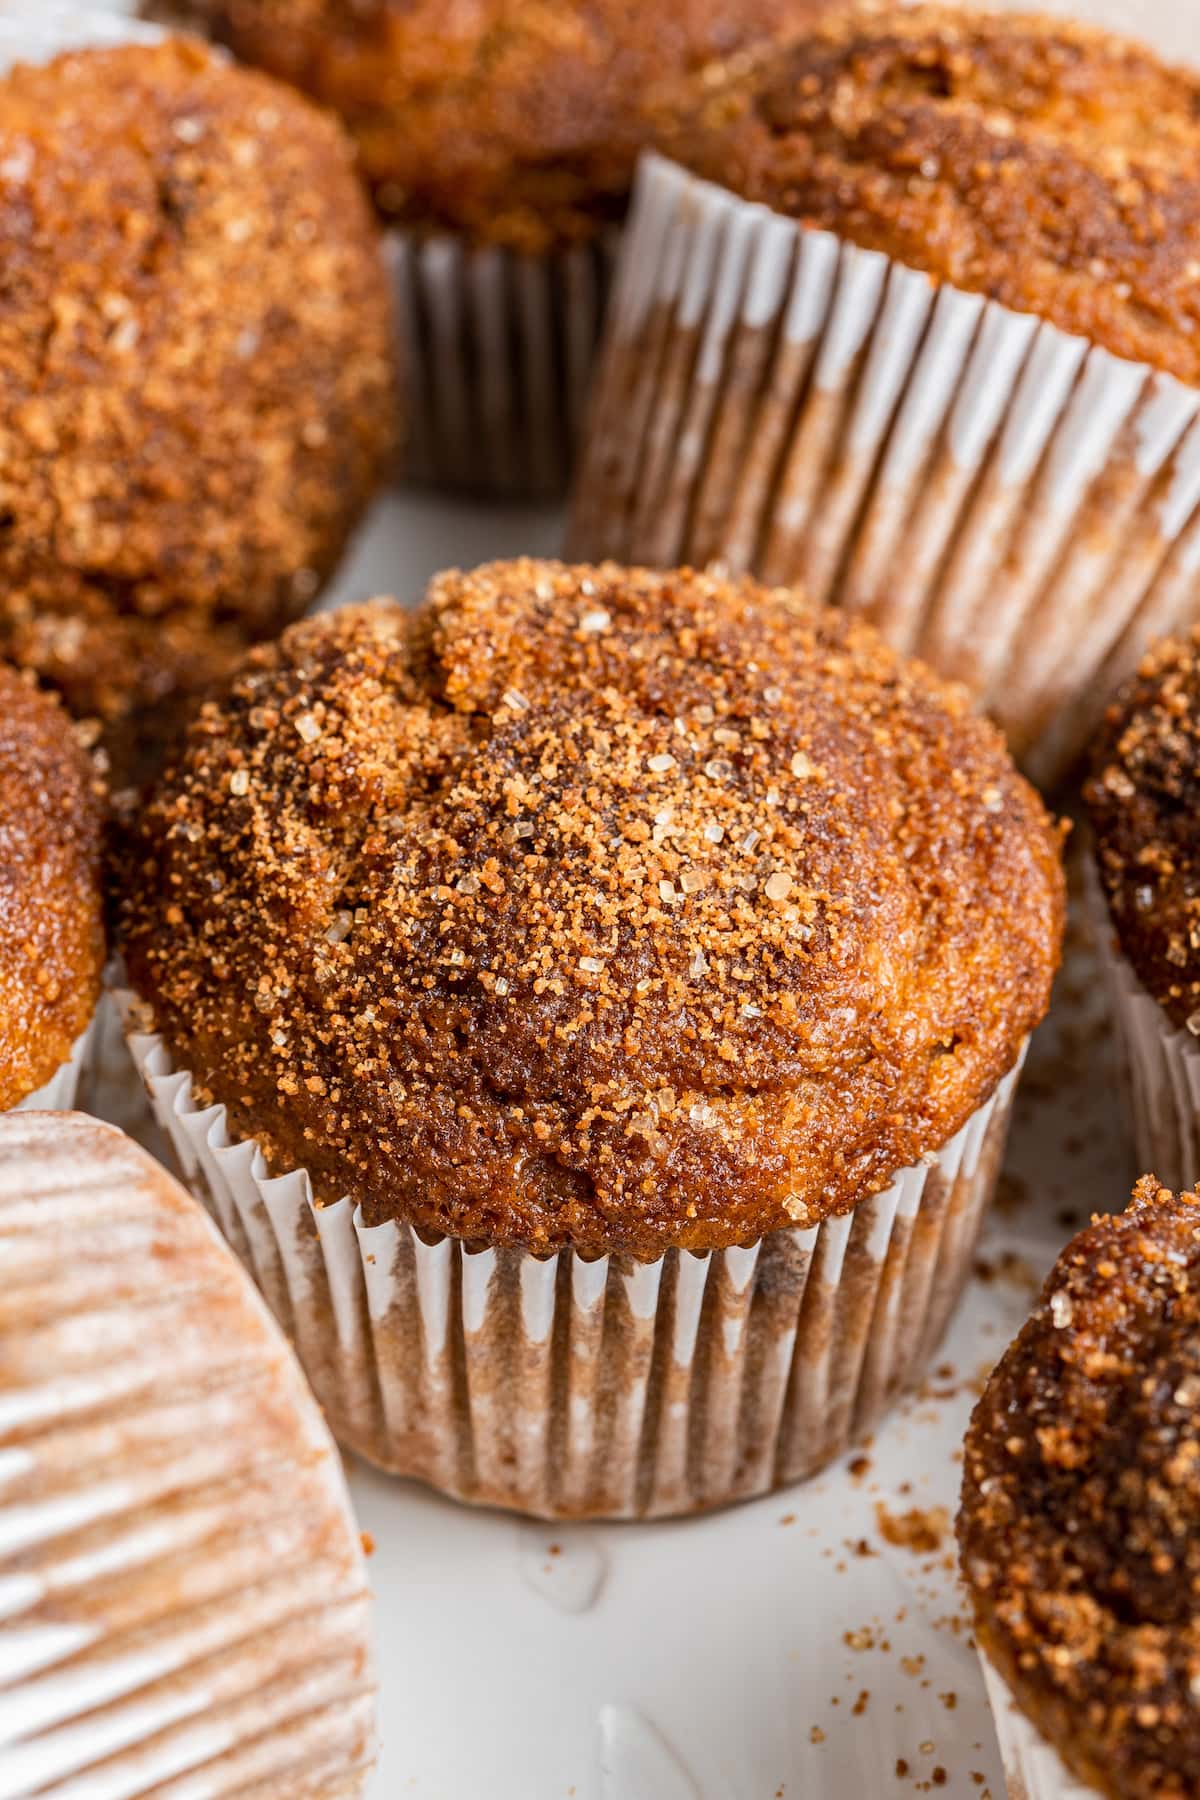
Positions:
{"x": 691, "y": 1661}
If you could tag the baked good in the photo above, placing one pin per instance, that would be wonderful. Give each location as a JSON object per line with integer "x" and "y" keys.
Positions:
{"x": 499, "y": 140}
{"x": 910, "y": 317}
{"x": 1140, "y": 801}
{"x": 196, "y": 391}
{"x": 51, "y": 924}
{"x": 516, "y": 125}
{"x": 1080, "y": 1500}
{"x": 186, "y": 1603}
{"x": 594, "y": 910}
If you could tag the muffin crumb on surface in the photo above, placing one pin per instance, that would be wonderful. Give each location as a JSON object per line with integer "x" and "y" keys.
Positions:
{"x": 593, "y": 906}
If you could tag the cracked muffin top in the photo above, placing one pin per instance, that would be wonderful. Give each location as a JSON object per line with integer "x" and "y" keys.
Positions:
{"x": 1047, "y": 165}
{"x": 593, "y": 907}
{"x": 517, "y": 122}
{"x": 195, "y": 384}
{"x": 1143, "y": 801}
{"x": 1080, "y": 1522}
{"x": 51, "y": 931}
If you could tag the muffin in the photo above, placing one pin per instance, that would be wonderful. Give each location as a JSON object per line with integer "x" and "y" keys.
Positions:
{"x": 51, "y": 927}
{"x": 185, "y": 1597}
{"x": 1081, "y": 1500}
{"x": 499, "y": 139}
{"x": 1143, "y": 801}
{"x": 913, "y": 315}
{"x": 195, "y": 382}
{"x": 627, "y": 975}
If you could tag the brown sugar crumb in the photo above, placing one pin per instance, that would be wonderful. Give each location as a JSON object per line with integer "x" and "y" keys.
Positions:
{"x": 816, "y": 1735}
{"x": 861, "y": 1704}
{"x": 518, "y": 124}
{"x": 859, "y": 1467}
{"x": 1048, "y": 165}
{"x": 1143, "y": 799}
{"x": 1080, "y": 1524}
{"x": 901, "y": 1768}
{"x": 51, "y": 928}
{"x": 920, "y": 1529}
{"x": 196, "y": 370}
{"x": 386, "y": 967}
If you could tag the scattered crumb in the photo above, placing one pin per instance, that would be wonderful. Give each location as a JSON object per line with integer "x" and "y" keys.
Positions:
{"x": 816, "y": 1735}
{"x": 367, "y": 1542}
{"x": 921, "y": 1529}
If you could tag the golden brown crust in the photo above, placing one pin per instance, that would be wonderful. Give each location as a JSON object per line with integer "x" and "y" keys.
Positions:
{"x": 592, "y": 906}
{"x": 516, "y": 123}
{"x": 1048, "y": 165}
{"x": 195, "y": 394}
{"x": 1144, "y": 803}
{"x": 51, "y": 935}
{"x": 1080, "y": 1522}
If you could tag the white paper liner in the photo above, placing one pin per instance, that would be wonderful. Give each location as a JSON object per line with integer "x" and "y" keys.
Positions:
{"x": 67, "y": 1086}
{"x": 1019, "y": 508}
{"x": 1033, "y": 1769}
{"x": 497, "y": 352}
{"x": 612, "y": 1388}
{"x": 183, "y": 1600}
{"x": 1160, "y": 1062}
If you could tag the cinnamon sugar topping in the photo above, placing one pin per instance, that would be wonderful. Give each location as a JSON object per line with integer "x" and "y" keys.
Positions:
{"x": 549, "y": 935}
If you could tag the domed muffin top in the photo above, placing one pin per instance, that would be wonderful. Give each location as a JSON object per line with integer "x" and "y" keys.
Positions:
{"x": 593, "y": 907}
{"x": 1080, "y": 1523}
{"x": 195, "y": 389}
{"x": 516, "y": 123}
{"x": 1144, "y": 801}
{"x": 51, "y": 932}
{"x": 1047, "y": 165}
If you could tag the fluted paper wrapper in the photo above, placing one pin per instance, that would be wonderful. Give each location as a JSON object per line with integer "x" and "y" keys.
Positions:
{"x": 1016, "y": 506}
{"x": 1033, "y": 1769}
{"x": 68, "y": 1085}
{"x": 1160, "y": 1062}
{"x": 497, "y": 352}
{"x": 612, "y": 1388}
{"x": 183, "y": 1602}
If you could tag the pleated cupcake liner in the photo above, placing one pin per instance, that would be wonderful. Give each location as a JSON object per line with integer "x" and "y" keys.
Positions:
{"x": 565, "y": 1388}
{"x": 1033, "y": 1768}
{"x": 1160, "y": 1061}
{"x": 1018, "y": 507}
{"x": 496, "y": 351}
{"x": 69, "y": 1084}
{"x": 183, "y": 1601}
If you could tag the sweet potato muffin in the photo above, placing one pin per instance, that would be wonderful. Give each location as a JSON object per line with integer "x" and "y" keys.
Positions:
{"x": 1048, "y": 165}
{"x": 1144, "y": 802}
{"x": 186, "y": 1604}
{"x": 51, "y": 934}
{"x": 517, "y": 124}
{"x": 1081, "y": 1504}
{"x": 195, "y": 384}
{"x": 593, "y": 907}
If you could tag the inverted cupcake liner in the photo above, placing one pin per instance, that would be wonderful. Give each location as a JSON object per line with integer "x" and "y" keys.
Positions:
{"x": 69, "y": 1084}
{"x": 565, "y": 1388}
{"x": 1033, "y": 1768}
{"x": 497, "y": 352}
{"x": 1014, "y": 505}
{"x": 183, "y": 1602}
{"x": 1160, "y": 1062}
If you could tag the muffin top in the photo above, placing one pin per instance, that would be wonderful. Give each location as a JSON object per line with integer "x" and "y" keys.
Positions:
{"x": 195, "y": 388}
{"x": 1080, "y": 1522}
{"x": 517, "y": 123}
{"x": 596, "y": 907}
{"x": 1144, "y": 800}
{"x": 1047, "y": 165}
{"x": 51, "y": 934}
